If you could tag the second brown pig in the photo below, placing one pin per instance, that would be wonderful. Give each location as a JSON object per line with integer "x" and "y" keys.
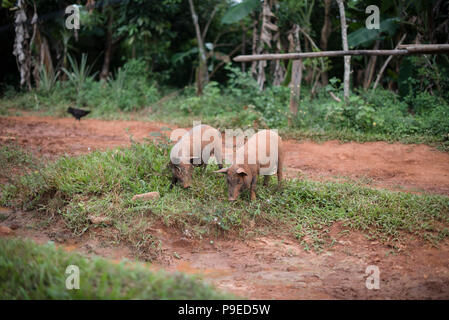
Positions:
{"x": 261, "y": 154}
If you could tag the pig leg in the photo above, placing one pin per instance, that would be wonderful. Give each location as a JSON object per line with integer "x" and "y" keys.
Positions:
{"x": 219, "y": 159}
{"x": 266, "y": 179}
{"x": 173, "y": 182}
{"x": 219, "y": 155}
{"x": 253, "y": 188}
{"x": 279, "y": 172}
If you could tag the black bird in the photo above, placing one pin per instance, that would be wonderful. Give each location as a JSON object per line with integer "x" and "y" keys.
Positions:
{"x": 78, "y": 113}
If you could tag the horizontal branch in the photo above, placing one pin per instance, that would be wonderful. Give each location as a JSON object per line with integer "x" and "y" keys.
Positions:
{"x": 402, "y": 50}
{"x": 422, "y": 48}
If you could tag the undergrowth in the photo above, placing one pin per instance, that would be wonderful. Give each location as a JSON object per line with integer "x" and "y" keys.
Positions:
{"x": 370, "y": 115}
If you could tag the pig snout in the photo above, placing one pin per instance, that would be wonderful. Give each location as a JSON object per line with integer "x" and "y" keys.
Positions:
{"x": 233, "y": 194}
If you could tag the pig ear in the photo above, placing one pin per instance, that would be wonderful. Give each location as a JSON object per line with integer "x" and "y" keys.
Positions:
{"x": 242, "y": 171}
{"x": 222, "y": 170}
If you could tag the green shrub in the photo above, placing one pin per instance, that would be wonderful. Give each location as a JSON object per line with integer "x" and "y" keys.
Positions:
{"x": 131, "y": 89}
{"x": 209, "y": 104}
{"x": 80, "y": 72}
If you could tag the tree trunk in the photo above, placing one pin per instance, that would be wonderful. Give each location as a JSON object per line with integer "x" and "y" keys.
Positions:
{"x": 65, "y": 43}
{"x": 107, "y": 51}
{"x": 297, "y": 66}
{"x": 243, "y": 46}
{"x": 279, "y": 68}
{"x": 344, "y": 38}
{"x": 325, "y": 34}
{"x": 309, "y": 69}
{"x": 203, "y": 75}
{"x": 43, "y": 58}
{"x": 265, "y": 39}
{"x": 22, "y": 44}
{"x": 254, "y": 48}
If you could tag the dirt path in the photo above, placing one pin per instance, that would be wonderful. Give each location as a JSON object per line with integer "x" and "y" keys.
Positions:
{"x": 395, "y": 166}
{"x": 266, "y": 267}
{"x": 274, "y": 268}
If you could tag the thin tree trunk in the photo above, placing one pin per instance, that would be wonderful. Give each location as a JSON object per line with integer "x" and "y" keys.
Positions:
{"x": 295, "y": 86}
{"x": 43, "y": 57}
{"x": 65, "y": 42}
{"x": 325, "y": 34}
{"x": 22, "y": 44}
{"x": 254, "y": 48}
{"x": 203, "y": 75}
{"x": 243, "y": 46}
{"x": 344, "y": 38}
{"x": 309, "y": 69}
{"x": 297, "y": 66}
{"x": 107, "y": 51}
{"x": 279, "y": 68}
{"x": 265, "y": 39}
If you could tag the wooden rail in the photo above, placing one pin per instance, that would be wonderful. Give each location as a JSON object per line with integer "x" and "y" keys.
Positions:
{"x": 404, "y": 49}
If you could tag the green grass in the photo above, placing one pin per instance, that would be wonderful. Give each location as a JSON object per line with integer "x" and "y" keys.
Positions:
{"x": 14, "y": 155}
{"x": 14, "y": 158}
{"x": 103, "y": 183}
{"x": 348, "y": 135}
{"x": 30, "y": 271}
{"x": 369, "y": 116}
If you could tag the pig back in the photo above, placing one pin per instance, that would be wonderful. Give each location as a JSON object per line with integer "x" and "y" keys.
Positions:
{"x": 193, "y": 142}
{"x": 263, "y": 149}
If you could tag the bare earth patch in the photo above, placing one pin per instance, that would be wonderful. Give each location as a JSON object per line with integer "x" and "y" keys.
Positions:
{"x": 265, "y": 267}
{"x": 273, "y": 267}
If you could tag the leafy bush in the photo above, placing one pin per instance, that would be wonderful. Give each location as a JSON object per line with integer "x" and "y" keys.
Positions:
{"x": 422, "y": 74}
{"x": 209, "y": 104}
{"x": 356, "y": 114}
{"x": 80, "y": 73}
{"x": 423, "y": 102}
{"x": 131, "y": 88}
{"x": 47, "y": 79}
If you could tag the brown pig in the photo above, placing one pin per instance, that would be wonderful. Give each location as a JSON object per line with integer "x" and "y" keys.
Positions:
{"x": 194, "y": 148}
{"x": 261, "y": 154}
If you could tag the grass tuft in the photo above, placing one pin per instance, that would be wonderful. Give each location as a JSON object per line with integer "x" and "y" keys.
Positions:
{"x": 30, "y": 271}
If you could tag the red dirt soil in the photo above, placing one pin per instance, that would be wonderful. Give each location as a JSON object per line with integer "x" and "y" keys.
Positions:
{"x": 415, "y": 168}
{"x": 267, "y": 267}
{"x": 272, "y": 267}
